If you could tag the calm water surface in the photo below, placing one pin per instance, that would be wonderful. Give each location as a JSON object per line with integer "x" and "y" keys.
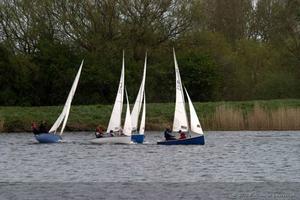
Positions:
{"x": 226, "y": 157}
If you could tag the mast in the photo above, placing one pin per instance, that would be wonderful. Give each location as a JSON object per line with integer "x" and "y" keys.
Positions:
{"x": 139, "y": 100}
{"x": 180, "y": 121}
{"x": 127, "y": 129}
{"x": 115, "y": 118}
{"x": 143, "y": 119}
{"x": 63, "y": 117}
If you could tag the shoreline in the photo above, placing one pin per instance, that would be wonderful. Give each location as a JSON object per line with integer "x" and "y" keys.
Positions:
{"x": 260, "y": 115}
{"x": 162, "y": 131}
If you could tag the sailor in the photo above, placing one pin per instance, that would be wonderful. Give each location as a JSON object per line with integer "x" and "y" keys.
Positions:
{"x": 122, "y": 133}
{"x": 181, "y": 135}
{"x": 42, "y": 127}
{"x": 111, "y": 133}
{"x": 34, "y": 128}
{"x": 168, "y": 135}
{"x": 99, "y": 132}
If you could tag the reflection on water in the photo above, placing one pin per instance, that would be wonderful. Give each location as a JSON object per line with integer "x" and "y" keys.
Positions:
{"x": 226, "y": 157}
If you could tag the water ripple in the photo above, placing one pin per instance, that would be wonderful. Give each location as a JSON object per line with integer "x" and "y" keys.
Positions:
{"x": 226, "y": 157}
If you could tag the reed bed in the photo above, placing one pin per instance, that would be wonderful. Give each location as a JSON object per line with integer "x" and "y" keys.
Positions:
{"x": 226, "y": 116}
{"x": 1, "y": 125}
{"x": 259, "y": 118}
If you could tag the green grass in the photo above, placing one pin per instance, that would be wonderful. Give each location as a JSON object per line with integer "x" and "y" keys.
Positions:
{"x": 87, "y": 117}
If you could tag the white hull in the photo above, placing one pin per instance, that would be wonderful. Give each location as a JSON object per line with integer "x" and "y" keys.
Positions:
{"x": 112, "y": 140}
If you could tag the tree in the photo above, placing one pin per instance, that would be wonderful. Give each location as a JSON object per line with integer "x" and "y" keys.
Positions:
{"x": 229, "y": 17}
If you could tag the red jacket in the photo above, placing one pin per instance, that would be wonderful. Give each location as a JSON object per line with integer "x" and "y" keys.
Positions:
{"x": 182, "y": 136}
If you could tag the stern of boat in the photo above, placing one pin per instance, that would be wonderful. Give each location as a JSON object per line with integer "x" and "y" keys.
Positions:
{"x": 137, "y": 138}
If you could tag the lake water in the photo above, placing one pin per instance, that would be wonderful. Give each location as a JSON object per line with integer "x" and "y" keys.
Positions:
{"x": 252, "y": 161}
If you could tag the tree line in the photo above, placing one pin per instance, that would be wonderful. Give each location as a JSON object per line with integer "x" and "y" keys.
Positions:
{"x": 226, "y": 49}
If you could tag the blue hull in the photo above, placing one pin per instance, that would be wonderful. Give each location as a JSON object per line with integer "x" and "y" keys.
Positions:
{"x": 198, "y": 140}
{"x": 137, "y": 138}
{"x": 48, "y": 138}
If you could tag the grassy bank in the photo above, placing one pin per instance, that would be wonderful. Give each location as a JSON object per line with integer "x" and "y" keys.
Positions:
{"x": 246, "y": 115}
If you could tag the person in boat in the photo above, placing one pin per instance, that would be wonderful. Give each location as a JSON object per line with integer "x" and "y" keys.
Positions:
{"x": 181, "y": 135}
{"x": 111, "y": 133}
{"x": 99, "y": 132}
{"x": 34, "y": 129}
{"x": 121, "y": 132}
{"x": 43, "y": 127}
{"x": 168, "y": 135}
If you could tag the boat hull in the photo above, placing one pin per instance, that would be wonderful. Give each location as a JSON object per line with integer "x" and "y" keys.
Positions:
{"x": 112, "y": 140}
{"x": 198, "y": 140}
{"x": 138, "y": 138}
{"x": 48, "y": 138}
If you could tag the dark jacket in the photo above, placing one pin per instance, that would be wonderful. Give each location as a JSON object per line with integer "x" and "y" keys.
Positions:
{"x": 168, "y": 135}
{"x": 98, "y": 135}
{"x": 35, "y": 131}
{"x": 43, "y": 129}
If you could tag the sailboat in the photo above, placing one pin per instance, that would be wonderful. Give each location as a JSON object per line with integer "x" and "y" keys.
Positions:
{"x": 52, "y": 136}
{"x": 138, "y": 136}
{"x": 114, "y": 125}
{"x": 180, "y": 122}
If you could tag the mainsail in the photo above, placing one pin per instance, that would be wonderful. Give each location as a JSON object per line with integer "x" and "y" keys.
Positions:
{"x": 63, "y": 117}
{"x": 195, "y": 123}
{"x": 127, "y": 129}
{"x": 115, "y": 118}
{"x": 139, "y": 100}
{"x": 180, "y": 117}
{"x": 143, "y": 119}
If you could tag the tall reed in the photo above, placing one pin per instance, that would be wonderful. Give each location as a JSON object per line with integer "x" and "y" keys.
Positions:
{"x": 259, "y": 118}
{"x": 1, "y": 125}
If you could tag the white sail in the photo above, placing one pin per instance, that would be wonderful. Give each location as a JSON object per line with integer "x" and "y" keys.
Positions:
{"x": 180, "y": 117}
{"x": 58, "y": 121}
{"x": 63, "y": 117}
{"x": 138, "y": 102}
{"x": 127, "y": 129}
{"x": 143, "y": 119}
{"x": 115, "y": 118}
{"x": 195, "y": 123}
